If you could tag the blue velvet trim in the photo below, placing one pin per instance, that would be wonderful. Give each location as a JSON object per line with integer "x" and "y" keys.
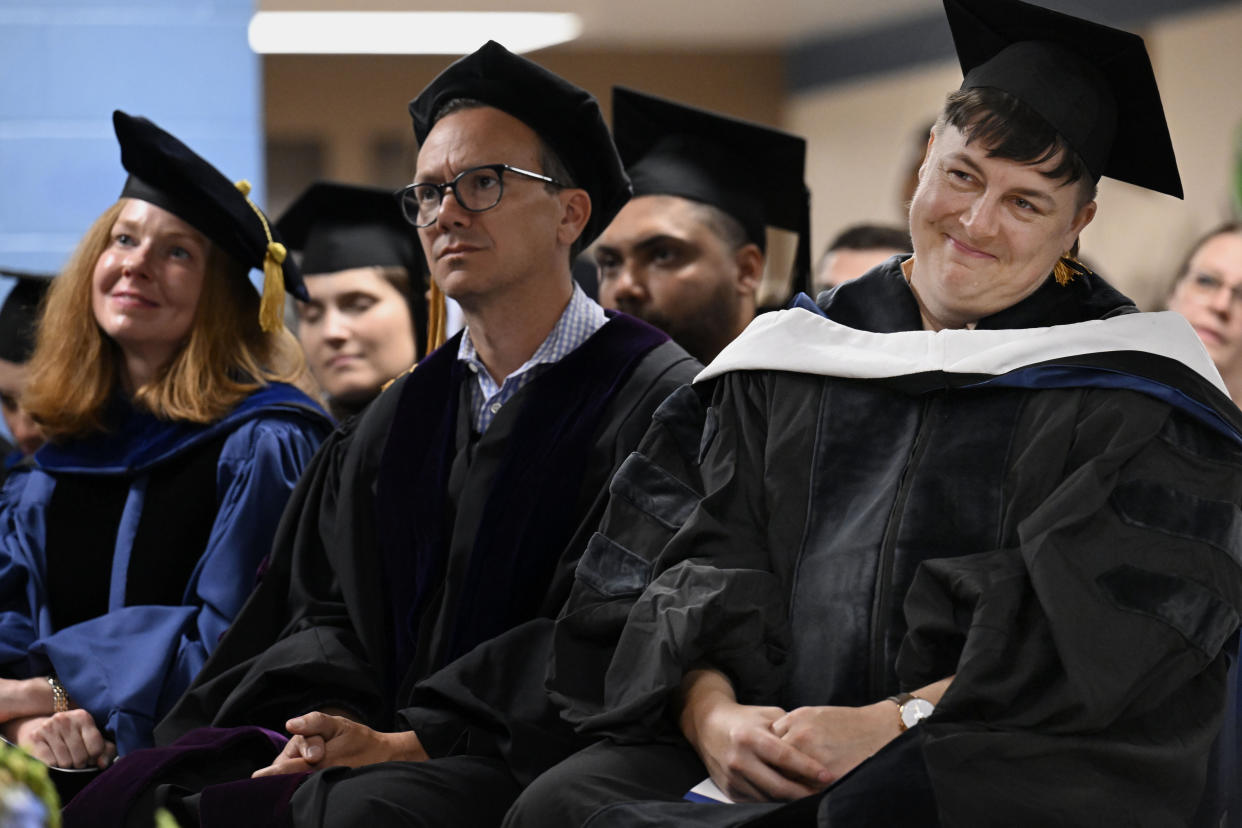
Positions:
{"x": 1072, "y": 376}
{"x": 801, "y": 300}
{"x": 137, "y": 440}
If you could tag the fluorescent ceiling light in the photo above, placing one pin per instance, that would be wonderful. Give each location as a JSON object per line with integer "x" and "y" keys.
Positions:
{"x": 407, "y": 33}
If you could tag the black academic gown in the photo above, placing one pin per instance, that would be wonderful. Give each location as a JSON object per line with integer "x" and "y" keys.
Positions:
{"x": 1065, "y": 543}
{"x": 321, "y": 631}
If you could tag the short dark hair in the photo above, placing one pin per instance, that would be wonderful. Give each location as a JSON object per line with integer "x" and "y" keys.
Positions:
{"x": 1010, "y": 129}
{"x": 728, "y": 229}
{"x": 550, "y": 163}
{"x": 871, "y": 237}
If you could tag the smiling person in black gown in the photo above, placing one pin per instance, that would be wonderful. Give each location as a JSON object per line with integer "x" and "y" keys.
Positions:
{"x": 959, "y": 543}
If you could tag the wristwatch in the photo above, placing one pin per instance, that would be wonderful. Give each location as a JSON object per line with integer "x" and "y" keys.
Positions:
{"x": 911, "y": 709}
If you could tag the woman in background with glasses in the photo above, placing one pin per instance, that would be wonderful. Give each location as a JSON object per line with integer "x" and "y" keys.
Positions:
{"x": 1208, "y": 292}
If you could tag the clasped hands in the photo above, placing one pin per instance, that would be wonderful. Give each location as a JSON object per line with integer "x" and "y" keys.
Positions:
{"x": 322, "y": 740}
{"x": 758, "y": 753}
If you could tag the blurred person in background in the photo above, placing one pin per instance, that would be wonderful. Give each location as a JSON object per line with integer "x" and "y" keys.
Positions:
{"x": 175, "y": 434}
{"x": 364, "y": 272}
{"x": 19, "y": 319}
{"x": 857, "y": 249}
{"x": 1208, "y": 292}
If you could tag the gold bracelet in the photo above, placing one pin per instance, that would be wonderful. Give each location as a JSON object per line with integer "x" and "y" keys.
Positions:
{"x": 60, "y": 699}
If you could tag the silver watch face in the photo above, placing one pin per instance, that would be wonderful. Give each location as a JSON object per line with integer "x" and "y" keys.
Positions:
{"x": 915, "y": 711}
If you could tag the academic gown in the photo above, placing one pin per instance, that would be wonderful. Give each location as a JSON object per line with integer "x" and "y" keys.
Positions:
{"x": 1059, "y": 529}
{"x": 125, "y": 555}
{"x": 410, "y": 540}
{"x": 321, "y": 631}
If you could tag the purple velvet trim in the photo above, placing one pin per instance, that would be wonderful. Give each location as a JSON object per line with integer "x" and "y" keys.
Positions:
{"x": 108, "y": 798}
{"x": 530, "y": 507}
{"x": 410, "y": 489}
{"x": 250, "y": 803}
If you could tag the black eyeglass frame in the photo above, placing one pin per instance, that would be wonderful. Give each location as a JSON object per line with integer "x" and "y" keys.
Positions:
{"x": 499, "y": 169}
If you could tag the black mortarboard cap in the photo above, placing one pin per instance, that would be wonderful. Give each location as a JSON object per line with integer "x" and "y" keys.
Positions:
{"x": 751, "y": 172}
{"x": 344, "y": 226}
{"x": 566, "y": 117}
{"x": 167, "y": 173}
{"x": 19, "y": 316}
{"x": 1092, "y": 83}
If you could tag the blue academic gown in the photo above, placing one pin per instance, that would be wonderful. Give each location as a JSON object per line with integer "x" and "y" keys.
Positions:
{"x": 128, "y": 665}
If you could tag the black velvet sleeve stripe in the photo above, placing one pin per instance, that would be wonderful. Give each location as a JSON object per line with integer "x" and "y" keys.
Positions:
{"x": 1150, "y": 504}
{"x": 611, "y": 569}
{"x": 681, "y": 415}
{"x": 654, "y": 491}
{"x": 1202, "y": 617}
{"x": 1186, "y": 436}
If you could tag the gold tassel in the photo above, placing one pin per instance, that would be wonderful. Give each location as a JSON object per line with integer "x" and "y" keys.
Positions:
{"x": 1067, "y": 267}
{"x": 436, "y": 318}
{"x": 272, "y": 305}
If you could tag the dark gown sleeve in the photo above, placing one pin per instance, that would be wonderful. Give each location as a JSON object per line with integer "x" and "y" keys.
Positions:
{"x": 1090, "y": 660}
{"x": 679, "y": 574}
{"x": 298, "y": 643}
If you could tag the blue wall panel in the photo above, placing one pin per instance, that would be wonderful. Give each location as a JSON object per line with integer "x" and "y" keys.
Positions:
{"x": 64, "y": 66}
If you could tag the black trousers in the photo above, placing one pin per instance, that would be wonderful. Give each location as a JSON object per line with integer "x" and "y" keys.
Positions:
{"x": 642, "y": 786}
{"x": 590, "y": 787}
{"x": 465, "y": 791}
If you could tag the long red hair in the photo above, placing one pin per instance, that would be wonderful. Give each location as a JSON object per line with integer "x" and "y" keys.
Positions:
{"x": 75, "y": 366}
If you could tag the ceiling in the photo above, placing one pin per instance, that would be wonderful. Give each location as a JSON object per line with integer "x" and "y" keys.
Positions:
{"x": 661, "y": 24}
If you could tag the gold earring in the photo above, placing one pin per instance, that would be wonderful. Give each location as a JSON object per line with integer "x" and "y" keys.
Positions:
{"x": 1067, "y": 267}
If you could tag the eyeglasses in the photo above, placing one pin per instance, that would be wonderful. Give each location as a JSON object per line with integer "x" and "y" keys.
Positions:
{"x": 1207, "y": 286}
{"x": 476, "y": 189}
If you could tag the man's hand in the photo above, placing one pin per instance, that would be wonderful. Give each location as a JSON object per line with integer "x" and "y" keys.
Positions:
{"x": 62, "y": 740}
{"x": 745, "y": 758}
{"x": 840, "y": 738}
{"x": 320, "y": 740}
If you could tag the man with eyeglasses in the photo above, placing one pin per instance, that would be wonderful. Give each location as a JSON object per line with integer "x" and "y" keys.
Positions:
{"x": 453, "y": 509}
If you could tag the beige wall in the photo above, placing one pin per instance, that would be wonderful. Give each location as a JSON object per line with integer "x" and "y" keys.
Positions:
{"x": 861, "y": 136}
{"x": 350, "y": 101}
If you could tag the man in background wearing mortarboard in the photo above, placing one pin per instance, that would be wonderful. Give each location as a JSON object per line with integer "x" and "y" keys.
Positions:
{"x": 689, "y": 252}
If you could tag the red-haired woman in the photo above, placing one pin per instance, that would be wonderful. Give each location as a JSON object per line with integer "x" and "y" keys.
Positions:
{"x": 167, "y": 390}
